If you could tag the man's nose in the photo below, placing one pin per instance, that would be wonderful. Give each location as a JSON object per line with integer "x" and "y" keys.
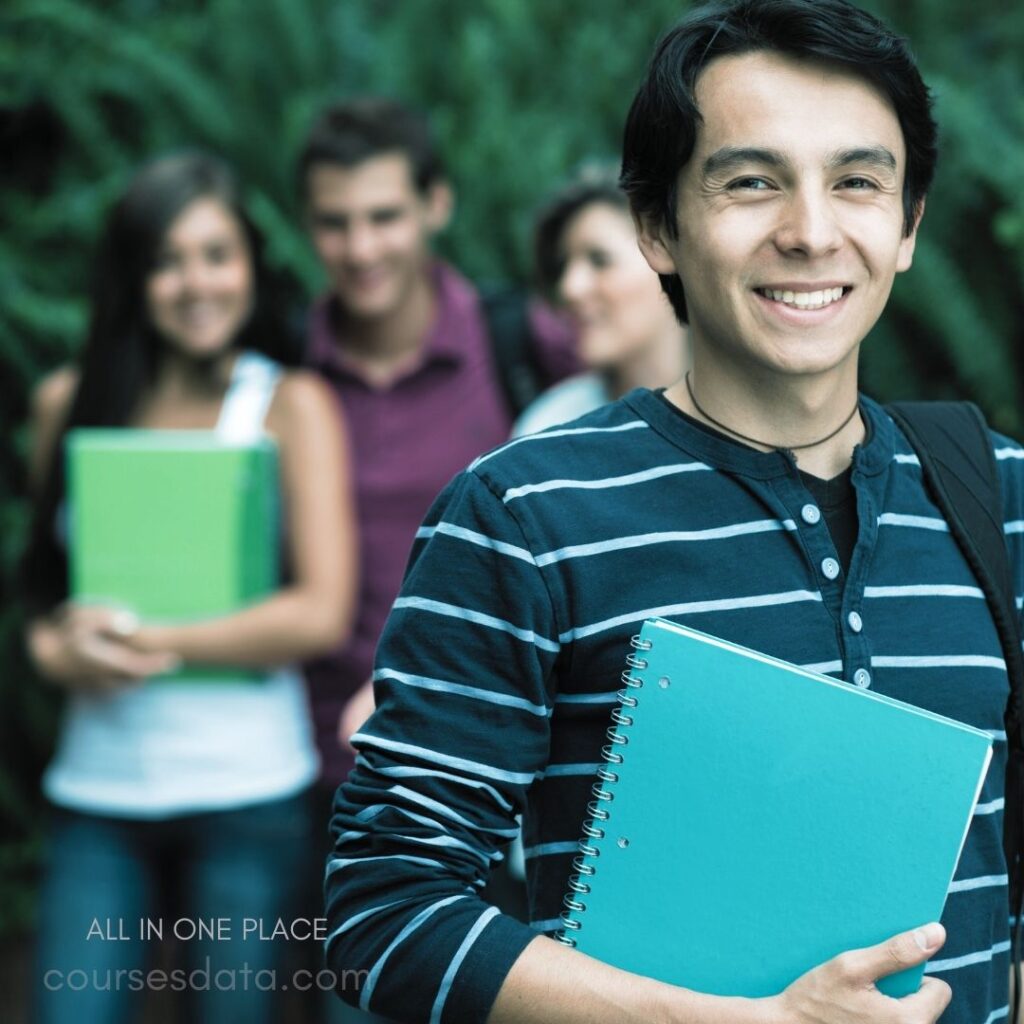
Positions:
{"x": 362, "y": 242}
{"x": 808, "y": 225}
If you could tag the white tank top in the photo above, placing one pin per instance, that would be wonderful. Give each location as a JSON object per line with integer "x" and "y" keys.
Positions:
{"x": 170, "y": 747}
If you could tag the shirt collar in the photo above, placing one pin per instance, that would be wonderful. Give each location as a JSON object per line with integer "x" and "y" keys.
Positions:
{"x": 447, "y": 341}
{"x": 721, "y": 452}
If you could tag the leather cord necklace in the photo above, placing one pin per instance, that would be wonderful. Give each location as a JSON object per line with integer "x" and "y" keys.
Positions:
{"x": 765, "y": 444}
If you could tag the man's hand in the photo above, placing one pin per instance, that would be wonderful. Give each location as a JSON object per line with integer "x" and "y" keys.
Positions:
{"x": 83, "y": 647}
{"x": 842, "y": 991}
{"x": 355, "y": 713}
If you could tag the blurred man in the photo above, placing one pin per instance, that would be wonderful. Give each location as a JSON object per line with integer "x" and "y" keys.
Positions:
{"x": 412, "y": 355}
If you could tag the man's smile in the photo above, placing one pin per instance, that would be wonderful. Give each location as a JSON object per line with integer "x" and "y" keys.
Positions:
{"x": 806, "y": 297}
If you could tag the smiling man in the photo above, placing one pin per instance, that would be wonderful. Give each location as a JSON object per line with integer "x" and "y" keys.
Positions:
{"x": 405, "y": 343}
{"x": 789, "y": 227}
{"x": 777, "y": 158}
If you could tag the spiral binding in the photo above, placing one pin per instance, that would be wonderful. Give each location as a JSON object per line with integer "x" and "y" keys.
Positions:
{"x": 597, "y": 808}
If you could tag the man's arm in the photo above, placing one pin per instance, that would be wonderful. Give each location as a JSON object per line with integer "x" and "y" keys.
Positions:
{"x": 551, "y": 984}
{"x": 461, "y": 732}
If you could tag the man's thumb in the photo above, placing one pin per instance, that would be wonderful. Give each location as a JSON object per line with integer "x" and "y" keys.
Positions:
{"x": 907, "y": 949}
{"x": 930, "y": 938}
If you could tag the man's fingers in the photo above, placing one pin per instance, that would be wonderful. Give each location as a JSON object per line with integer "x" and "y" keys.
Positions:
{"x": 929, "y": 1001}
{"x": 894, "y": 955}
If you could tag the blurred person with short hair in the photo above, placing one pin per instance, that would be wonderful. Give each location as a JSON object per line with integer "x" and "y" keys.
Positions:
{"x": 420, "y": 360}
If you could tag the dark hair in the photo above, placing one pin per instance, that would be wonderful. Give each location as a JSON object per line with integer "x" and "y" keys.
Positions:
{"x": 121, "y": 352}
{"x": 662, "y": 124}
{"x": 356, "y": 130}
{"x": 593, "y": 183}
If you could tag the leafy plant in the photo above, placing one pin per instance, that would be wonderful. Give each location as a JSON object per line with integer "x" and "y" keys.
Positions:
{"x": 520, "y": 91}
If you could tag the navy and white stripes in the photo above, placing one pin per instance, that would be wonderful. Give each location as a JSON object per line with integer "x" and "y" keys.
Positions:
{"x": 497, "y": 673}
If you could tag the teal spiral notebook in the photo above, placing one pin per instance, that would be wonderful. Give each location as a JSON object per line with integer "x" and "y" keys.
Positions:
{"x": 755, "y": 819}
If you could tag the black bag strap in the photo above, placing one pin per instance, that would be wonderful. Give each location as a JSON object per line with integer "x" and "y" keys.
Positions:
{"x": 506, "y": 311}
{"x": 954, "y": 447}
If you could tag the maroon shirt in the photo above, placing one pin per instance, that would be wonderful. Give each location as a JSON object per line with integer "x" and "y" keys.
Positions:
{"x": 408, "y": 440}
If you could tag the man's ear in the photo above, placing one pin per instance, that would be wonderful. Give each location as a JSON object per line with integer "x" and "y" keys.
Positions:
{"x": 652, "y": 239}
{"x": 440, "y": 200}
{"x": 905, "y": 253}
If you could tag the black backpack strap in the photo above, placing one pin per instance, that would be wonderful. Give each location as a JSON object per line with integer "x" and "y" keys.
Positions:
{"x": 954, "y": 447}
{"x": 506, "y": 311}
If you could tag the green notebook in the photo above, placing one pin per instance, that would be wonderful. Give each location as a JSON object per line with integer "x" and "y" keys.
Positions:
{"x": 176, "y": 525}
{"x": 763, "y": 819}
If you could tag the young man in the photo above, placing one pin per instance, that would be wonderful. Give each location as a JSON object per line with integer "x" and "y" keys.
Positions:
{"x": 777, "y": 157}
{"x": 402, "y": 338}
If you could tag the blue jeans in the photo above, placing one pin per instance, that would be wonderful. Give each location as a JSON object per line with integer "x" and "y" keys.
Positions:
{"x": 203, "y": 879}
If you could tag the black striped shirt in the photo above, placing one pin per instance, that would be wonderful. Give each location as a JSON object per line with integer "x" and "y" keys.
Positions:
{"x": 501, "y": 659}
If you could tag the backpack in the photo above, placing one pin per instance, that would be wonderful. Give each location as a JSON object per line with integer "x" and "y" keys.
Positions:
{"x": 521, "y": 378}
{"x": 954, "y": 447}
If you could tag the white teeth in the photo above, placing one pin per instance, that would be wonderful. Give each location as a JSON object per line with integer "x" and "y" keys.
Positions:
{"x": 804, "y": 300}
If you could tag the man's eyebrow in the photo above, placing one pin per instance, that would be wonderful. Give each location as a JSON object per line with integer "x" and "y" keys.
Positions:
{"x": 732, "y": 157}
{"x": 872, "y": 156}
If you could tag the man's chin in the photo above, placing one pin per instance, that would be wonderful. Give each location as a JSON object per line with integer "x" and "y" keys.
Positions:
{"x": 358, "y": 305}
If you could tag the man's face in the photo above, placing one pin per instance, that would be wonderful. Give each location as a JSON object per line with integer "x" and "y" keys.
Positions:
{"x": 371, "y": 228}
{"x": 790, "y": 216}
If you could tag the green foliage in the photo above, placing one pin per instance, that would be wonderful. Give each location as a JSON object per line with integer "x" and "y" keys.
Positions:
{"x": 954, "y": 327}
{"x": 520, "y": 91}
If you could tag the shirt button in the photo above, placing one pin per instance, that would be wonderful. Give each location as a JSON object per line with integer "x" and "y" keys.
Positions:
{"x": 855, "y": 621}
{"x": 862, "y": 678}
{"x": 830, "y": 568}
{"x": 810, "y": 514}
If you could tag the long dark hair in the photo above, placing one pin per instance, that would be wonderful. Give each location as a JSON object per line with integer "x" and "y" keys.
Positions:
{"x": 121, "y": 354}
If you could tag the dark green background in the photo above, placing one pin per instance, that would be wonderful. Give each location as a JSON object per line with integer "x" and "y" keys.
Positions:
{"x": 520, "y": 92}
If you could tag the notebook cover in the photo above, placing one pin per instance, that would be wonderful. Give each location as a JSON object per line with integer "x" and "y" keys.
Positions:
{"x": 767, "y": 818}
{"x": 174, "y": 525}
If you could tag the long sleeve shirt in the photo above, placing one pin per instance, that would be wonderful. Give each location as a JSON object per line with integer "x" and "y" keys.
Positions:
{"x": 501, "y": 659}
{"x": 408, "y": 439}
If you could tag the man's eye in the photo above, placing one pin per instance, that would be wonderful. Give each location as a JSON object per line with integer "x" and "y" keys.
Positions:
{"x": 858, "y": 184}
{"x": 751, "y": 184}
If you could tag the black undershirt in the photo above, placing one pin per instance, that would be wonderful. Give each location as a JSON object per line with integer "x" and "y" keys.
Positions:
{"x": 838, "y": 503}
{"x": 836, "y": 498}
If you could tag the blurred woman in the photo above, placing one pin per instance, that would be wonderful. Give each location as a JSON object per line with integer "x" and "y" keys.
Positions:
{"x": 172, "y": 793}
{"x": 588, "y": 262}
